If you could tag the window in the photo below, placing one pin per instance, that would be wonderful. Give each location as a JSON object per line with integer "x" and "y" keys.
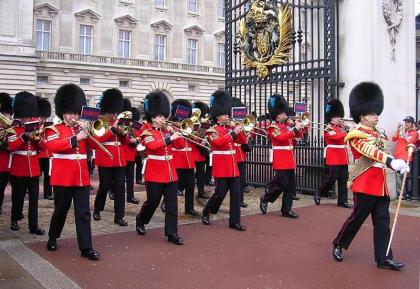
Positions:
{"x": 160, "y": 47}
{"x": 84, "y": 81}
{"x": 192, "y": 51}
{"x": 160, "y": 3}
{"x": 42, "y": 79}
{"x": 192, "y": 6}
{"x": 192, "y": 87}
{"x": 124, "y": 83}
{"x": 221, "y": 8}
{"x": 86, "y": 39}
{"x": 124, "y": 43}
{"x": 43, "y": 34}
{"x": 221, "y": 54}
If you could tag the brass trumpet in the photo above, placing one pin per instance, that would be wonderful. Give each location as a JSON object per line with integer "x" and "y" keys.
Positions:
{"x": 186, "y": 128}
{"x": 248, "y": 125}
{"x": 304, "y": 119}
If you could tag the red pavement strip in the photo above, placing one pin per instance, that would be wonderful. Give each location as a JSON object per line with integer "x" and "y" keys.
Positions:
{"x": 274, "y": 252}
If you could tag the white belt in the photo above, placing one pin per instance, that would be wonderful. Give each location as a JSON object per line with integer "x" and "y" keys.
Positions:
{"x": 237, "y": 144}
{"x": 111, "y": 143}
{"x": 333, "y": 147}
{"x": 230, "y": 152}
{"x": 26, "y": 153}
{"x": 70, "y": 156}
{"x": 160, "y": 158}
{"x": 182, "y": 150}
{"x": 287, "y": 148}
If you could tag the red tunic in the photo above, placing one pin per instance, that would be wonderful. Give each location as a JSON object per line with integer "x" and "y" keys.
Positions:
{"x": 4, "y": 161}
{"x": 43, "y": 151}
{"x": 24, "y": 160}
{"x": 68, "y": 163}
{"x": 160, "y": 166}
{"x": 197, "y": 155}
{"x": 373, "y": 180}
{"x": 240, "y": 155}
{"x": 113, "y": 143}
{"x": 282, "y": 138}
{"x": 130, "y": 152}
{"x": 411, "y": 137}
{"x": 336, "y": 150}
{"x": 223, "y": 152}
{"x": 184, "y": 157}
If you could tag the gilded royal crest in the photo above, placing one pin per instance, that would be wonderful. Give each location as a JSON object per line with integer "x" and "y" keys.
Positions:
{"x": 266, "y": 36}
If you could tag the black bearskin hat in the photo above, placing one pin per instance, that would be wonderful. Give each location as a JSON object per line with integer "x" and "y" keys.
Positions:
{"x": 69, "y": 98}
{"x": 156, "y": 103}
{"x": 203, "y": 107}
{"x": 25, "y": 105}
{"x": 44, "y": 107}
{"x": 365, "y": 98}
{"x": 111, "y": 101}
{"x": 136, "y": 113}
{"x": 334, "y": 108}
{"x": 236, "y": 102}
{"x": 5, "y": 103}
{"x": 220, "y": 104}
{"x": 276, "y": 105}
{"x": 127, "y": 105}
{"x": 174, "y": 106}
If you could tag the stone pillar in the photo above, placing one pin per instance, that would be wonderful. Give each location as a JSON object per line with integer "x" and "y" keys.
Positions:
{"x": 365, "y": 55}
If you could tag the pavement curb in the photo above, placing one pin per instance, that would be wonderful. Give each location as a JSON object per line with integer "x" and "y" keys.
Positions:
{"x": 43, "y": 272}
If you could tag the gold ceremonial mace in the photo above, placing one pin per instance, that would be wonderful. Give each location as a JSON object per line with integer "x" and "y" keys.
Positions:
{"x": 410, "y": 149}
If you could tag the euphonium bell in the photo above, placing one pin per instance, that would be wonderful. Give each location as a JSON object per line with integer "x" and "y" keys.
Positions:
{"x": 98, "y": 127}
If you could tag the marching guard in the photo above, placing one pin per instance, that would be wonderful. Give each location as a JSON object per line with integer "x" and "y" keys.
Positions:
{"x": 184, "y": 159}
{"x": 159, "y": 172}
{"x": 44, "y": 112}
{"x": 24, "y": 164}
{"x": 225, "y": 171}
{"x": 69, "y": 170}
{"x": 367, "y": 179}
{"x": 6, "y": 109}
{"x": 282, "y": 138}
{"x": 335, "y": 154}
{"x": 111, "y": 171}
{"x": 201, "y": 154}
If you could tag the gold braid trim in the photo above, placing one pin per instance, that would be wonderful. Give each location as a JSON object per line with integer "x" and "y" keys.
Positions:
{"x": 361, "y": 166}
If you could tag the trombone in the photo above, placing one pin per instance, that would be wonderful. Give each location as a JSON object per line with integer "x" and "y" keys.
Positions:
{"x": 186, "y": 128}
{"x": 248, "y": 125}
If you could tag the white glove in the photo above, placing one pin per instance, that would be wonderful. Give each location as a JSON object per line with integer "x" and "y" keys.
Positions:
{"x": 400, "y": 166}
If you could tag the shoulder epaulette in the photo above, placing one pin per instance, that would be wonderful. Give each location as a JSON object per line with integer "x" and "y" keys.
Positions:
{"x": 146, "y": 133}
{"x": 355, "y": 133}
{"x": 53, "y": 128}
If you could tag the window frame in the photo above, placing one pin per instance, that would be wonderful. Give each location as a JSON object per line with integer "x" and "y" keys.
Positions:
{"x": 85, "y": 37}
{"x": 157, "y": 45}
{"x": 190, "y": 49}
{"x": 42, "y": 33}
{"x": 221, "y": 8}
{"x": 121, "y": 50}
{"x": 220, "y": 53}
{"x": 196, "y": 7}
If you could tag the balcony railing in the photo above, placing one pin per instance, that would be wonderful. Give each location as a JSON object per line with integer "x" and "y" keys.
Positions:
{"x": 51, "y": 55}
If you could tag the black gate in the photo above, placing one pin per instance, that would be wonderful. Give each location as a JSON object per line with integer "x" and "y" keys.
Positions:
{"x": 308, "y": 77}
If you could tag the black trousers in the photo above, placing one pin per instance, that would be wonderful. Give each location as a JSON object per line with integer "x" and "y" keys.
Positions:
{"x": 284, "y": 181}
{"x": 44, "y": 164}
{"x": 208, "y": 169}
{"x": 4, "y": 179}
{"x": 139, "y": 167}
{"x": 378, "y": 208}
{"x": 186, "y": 181}
{"x": 111, "y": 179}
{"x": 200, "y": 176}
{"x": 20, "y": 187}
{"x": 242, "y": 178}
{"x": 154, "y": 192}
{"x": 62, "y": 203}
{"x": 129, "y": 179}
{"x": 339, "y": 174}
{"x": 216, "y": 200}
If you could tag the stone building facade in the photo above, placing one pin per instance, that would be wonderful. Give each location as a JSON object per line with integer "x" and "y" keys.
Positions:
{"x": 135, "y": 45}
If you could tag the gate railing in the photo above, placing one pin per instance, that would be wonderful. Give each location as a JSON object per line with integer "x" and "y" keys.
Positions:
{"x": 309, "y": 165}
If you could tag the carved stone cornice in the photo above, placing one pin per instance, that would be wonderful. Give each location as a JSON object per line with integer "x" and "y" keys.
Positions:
{"x": 126, "y": 21}
{"x": 161, "y": 26}
{"x": 87, "y": 16}
{"x": 194, "y": 30}
{"x": 45, "y": 9}
{"x": 220, "y": 35}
